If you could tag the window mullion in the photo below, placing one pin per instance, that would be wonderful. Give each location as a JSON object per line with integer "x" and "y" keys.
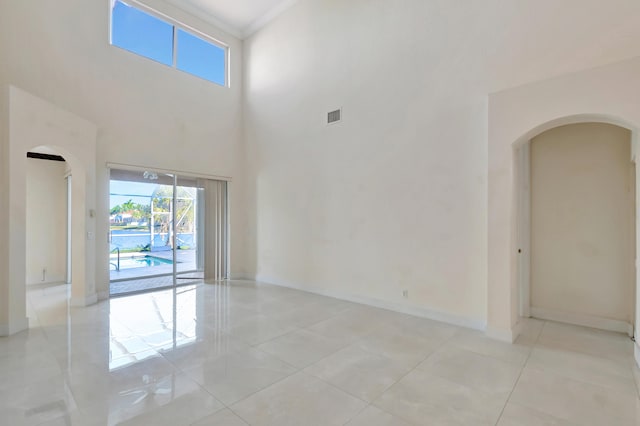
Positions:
{"x": 175, "y": 47}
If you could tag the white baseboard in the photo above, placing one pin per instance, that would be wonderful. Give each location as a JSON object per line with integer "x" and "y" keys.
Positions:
{"x": 51, "y": 280}
{"x": 508, "y": 336}
{"x": 240, "y": 276}
{"x": 14, "y": 327}
{"x": 89, "y": 300}
{"x": 636, "y": 353}
{"x": 47, "y": 283}
{"x": 418, "y": 311}
{"x": 582, "y": 320}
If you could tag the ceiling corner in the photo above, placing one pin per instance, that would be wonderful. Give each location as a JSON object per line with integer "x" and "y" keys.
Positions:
{"x": 263, "y": 20}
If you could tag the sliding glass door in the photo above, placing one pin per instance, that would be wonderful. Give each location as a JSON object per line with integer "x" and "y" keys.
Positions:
{"x": 188, "y": 222}
{"x": 165, "y": 230}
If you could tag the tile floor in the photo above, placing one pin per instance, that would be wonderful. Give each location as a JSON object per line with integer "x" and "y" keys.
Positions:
{"x": 244, "y": 353}
{"x": 119, "y": 288}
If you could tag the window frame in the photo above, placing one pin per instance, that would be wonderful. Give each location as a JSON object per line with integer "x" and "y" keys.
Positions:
{"x": 177, "y": 25}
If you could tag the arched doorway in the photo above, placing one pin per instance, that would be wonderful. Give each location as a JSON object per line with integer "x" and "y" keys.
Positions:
{"x": 607, "y": 94}
{"x": 505, "y": 304}
{"x": 42, "y": 207}
{"x": 35, "y": 122}
{"x": 575, "y": 226}
{"x": 48, "y": 218}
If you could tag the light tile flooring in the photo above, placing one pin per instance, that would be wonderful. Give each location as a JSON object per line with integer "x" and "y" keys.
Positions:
{"x": 244, "y": 353}
{"x": 118, "y": 288}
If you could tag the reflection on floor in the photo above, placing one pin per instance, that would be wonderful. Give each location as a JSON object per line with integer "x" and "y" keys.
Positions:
{"x": 243, "y": 353}
{"x": 152, "y": 283}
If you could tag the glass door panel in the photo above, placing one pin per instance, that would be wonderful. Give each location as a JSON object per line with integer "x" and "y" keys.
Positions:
{"x": 140, "y": 231}
{"x": 188, "y": 212}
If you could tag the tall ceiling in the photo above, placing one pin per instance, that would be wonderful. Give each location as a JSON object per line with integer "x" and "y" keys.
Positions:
{"x": 241, "y": 18}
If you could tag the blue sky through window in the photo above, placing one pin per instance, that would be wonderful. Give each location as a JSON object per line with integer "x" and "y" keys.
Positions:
{"x": 123, "y": 191}
{"x": 140, "y": 33}
{"x": 201, "y": 58}
{"x": 151, "y": 37}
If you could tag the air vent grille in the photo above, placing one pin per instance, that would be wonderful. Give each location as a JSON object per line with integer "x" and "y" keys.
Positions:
{"x": 334, "y": 116}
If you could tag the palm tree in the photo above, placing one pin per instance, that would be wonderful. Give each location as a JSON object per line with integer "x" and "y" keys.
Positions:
{"x": 162, "y": 200}
{"x": 129, "y": 206}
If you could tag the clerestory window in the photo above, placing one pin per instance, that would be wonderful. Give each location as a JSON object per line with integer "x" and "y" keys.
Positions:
{"x": 153, "y": 36}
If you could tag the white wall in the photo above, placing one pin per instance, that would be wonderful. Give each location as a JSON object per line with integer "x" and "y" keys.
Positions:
{"x": 583, "y": 222}
{"x": 147, "y": 114}
{"x": 46, "y": 221}
{"x": 395, "y": 197}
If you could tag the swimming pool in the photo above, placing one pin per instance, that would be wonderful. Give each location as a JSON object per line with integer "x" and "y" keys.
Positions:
{"x": 140, "y": 262}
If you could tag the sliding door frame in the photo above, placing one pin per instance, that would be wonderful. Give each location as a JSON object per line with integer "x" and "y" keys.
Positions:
{"x": 175, "y": 174}
{"x": 135, "y": 168}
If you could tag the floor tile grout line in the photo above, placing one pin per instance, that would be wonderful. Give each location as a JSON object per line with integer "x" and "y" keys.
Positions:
{"x": 551, "y": 372}
{"x": 339, "y": 388}
{"x": 295, "y": 330}
{"x": 591, "y": 332}
{"x": 467, "y": 385}
{"x": 490, "y": 356}
{"x": 239, "y": 416}
{"x": 598, "y": 357}
{"x": 228, "y": 406}
{"x": 336, "y": 387}
{"x": 537, "y": 339}
{"x": 307, "y": 327}
{"x": 582, "y": 354}
{"x": 357, "y": 414}
{"x": 398, "y": 381}
{"x": 372, "y": 352}
{"x": 261, "y": 389}
{"x": 281, "y": 380}
{"x": 253, "y": 345}
{"x": 278, "y": 358}
{"x": 519, "y": 376}
{"x": 347, "y": 345}
{"x": 297, "y": 369}
{"x": 574, "y": 379}
{"x": 320, "y": 359}
{"x": 184, "y": 371}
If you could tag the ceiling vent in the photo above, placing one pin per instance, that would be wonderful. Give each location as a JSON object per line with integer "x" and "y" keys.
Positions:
{"x": 334, "y": 117}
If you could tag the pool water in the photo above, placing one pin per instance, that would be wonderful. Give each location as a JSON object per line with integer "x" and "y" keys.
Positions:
{"x": 142, "y": 262}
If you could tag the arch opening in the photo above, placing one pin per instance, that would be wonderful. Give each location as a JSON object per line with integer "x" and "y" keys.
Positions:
{"x": 575, "y": 223}
{"x": 55, "y": 219}
{"x": 34, "y": 122}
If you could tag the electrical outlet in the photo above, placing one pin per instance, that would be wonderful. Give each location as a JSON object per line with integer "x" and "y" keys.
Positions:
{"x": 405, "y": 293}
